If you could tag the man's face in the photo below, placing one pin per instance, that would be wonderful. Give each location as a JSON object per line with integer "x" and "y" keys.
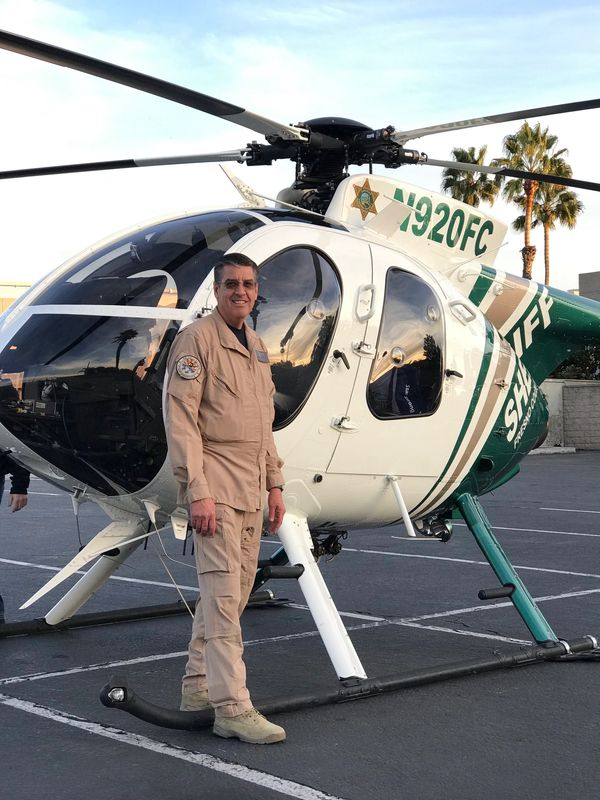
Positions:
{"x": 236, "y": 294}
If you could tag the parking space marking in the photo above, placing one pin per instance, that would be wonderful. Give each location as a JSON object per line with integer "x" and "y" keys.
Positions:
{"x": 372, "y": 622}
{"x": 471, "y": 561}
{"x": 570, "y": 510}
{"x": 438, "y": 628}
{"x": 524, "y": 530}
{"x": 351, "y": 614}
{"x": 504, "y": 604}
{"x": 162, "y": 584}
{"x": 229, "y": 768}
{"x": 38, "y": 676}
{"x": 369, "y": 621}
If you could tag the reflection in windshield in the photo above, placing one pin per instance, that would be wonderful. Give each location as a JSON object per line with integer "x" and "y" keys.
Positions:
{"x": 295, "y": 314}
{"x": 161, "y": 266}
{"x": 406, "y": 377}
{"x": 85, "y": 395}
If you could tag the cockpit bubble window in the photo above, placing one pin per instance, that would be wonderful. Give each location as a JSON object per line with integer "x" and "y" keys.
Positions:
{"x": 161, "y": 266}
{"x": 406, "y": 376}
{"x": 85, "y": 394}
{"x": 298, "y": 303}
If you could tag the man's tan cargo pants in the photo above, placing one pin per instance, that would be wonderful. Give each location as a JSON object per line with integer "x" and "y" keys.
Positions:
{"x": 226, "y": 564}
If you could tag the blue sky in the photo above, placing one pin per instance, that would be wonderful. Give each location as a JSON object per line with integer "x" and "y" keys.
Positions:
{"x": 400, "y": 63}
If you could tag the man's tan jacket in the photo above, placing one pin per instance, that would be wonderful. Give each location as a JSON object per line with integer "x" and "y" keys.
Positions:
{"x": 219, "y": 415}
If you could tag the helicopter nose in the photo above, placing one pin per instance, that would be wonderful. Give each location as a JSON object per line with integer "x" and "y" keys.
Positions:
{"x": 83, "y": 392}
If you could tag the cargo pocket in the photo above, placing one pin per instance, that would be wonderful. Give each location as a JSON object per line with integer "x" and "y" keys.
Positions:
{"x": 213, "y": 551}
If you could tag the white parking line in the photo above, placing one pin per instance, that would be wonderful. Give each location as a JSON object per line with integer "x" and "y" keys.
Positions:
{"x": 40, "y": 676}
{"x": 570, "y": 510}
{"x": 471, "y": 561}
{"x": 232, "y": 770}
{"x": 525, "y": 530}
{"x": 128, "y": 662}
{"x": 462, "y": 632}
{"x": 162, "y": 584}
{"x": 369, "y": 620}
{"x": 494, "y": 606}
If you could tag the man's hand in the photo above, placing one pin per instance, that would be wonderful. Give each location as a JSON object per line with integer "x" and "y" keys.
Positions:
{"x": 203, "y": 516}
{"x": 17, "y": 501}
{"x": 276, "y": 510}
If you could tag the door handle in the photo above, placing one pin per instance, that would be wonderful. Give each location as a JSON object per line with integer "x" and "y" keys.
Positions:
{"x": 339, "y": 354}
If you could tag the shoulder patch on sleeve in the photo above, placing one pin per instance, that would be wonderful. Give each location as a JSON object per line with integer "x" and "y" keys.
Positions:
{"x": 188, "y": 367}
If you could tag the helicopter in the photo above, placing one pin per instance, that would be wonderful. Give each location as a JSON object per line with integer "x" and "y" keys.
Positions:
{"x": 407, "y": 368}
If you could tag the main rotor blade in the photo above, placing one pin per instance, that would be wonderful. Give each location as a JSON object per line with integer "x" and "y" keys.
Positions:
{"x": 146, "y": 83}
{"x": 125, "y": 163}
{"x": 401, "y": 137}
{"x": 542, "y": 177}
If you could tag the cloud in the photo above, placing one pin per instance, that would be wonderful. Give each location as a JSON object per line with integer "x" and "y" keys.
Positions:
{"x": 406, "y": 64}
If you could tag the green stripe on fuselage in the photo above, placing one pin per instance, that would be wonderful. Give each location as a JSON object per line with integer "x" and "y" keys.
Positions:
{"x": 516, "y": 432}
{"x": 482, "y": 285}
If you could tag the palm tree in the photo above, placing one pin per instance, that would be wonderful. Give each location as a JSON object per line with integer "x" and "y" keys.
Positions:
{"x": 464, "y": 186}
{"x": 121, "y": 340}
{"x": 531, "y": 150}
{"x": 552, "y": 204}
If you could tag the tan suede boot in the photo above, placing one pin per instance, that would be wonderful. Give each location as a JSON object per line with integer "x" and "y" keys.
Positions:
{"x": 250, "y": 726}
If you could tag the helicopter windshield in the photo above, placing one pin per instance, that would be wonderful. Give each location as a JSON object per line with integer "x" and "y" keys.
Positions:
{"x": 406, "y": 376}
{"x": 298, "y": 302}
{"x": 84, "y": 390}
{"x": 161, "y": 266}
{"x": 85, "y": 395}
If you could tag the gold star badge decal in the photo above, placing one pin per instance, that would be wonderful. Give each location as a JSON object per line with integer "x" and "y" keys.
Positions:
{"x": 365, "y": 199}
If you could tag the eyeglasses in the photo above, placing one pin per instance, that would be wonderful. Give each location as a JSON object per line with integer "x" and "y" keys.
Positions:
{"x": 233, "y": 284}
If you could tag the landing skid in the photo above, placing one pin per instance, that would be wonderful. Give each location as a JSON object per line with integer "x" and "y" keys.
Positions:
{"x": 29, "y": 627}
{"x": 117, "y": 694}
{"x": 297, "y": 550}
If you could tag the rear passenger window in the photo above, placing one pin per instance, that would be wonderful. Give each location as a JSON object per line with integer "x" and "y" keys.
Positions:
{"x": 406, "y": 377}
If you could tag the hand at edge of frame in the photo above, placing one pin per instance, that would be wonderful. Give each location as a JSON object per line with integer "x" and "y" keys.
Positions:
{"x": 203, "y": 516}
{"x": 17, "y": 502}
{"x": 276, "y": 509}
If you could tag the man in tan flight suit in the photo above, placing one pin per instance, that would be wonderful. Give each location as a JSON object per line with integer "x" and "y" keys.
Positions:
{"x": 219, "y": 415}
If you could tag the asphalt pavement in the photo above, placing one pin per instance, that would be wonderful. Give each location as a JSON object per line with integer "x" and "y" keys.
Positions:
{"x": 525, "y": 732}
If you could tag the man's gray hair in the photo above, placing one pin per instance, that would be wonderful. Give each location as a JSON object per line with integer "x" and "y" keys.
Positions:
{"x": 234, "y": 260}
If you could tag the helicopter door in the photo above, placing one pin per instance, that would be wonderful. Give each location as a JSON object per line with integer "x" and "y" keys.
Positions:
{"x": 395, "y": 406}
{"x": 305, "y": 314}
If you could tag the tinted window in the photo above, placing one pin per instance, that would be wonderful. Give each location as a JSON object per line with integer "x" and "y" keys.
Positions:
{"x": 163, "y": 265}
{"x": 84, "y": 392}
{"x": 406, "y": 377}
{"x": 298, "y": 302}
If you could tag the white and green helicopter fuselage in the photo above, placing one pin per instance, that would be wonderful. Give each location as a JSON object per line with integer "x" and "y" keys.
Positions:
{"x": 406, "y": 368}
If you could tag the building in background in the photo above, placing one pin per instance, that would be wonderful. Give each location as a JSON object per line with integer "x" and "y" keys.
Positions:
{"x": 589, "y": 285}
{"x": 574, "y": 404}
{"x": 9, "y": 292}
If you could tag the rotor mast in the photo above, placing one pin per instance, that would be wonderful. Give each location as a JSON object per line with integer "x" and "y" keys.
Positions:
{"x": 322, "y": 162}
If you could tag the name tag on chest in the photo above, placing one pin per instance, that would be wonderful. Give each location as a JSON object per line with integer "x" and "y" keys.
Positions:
{"x": 262, "y": 356}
